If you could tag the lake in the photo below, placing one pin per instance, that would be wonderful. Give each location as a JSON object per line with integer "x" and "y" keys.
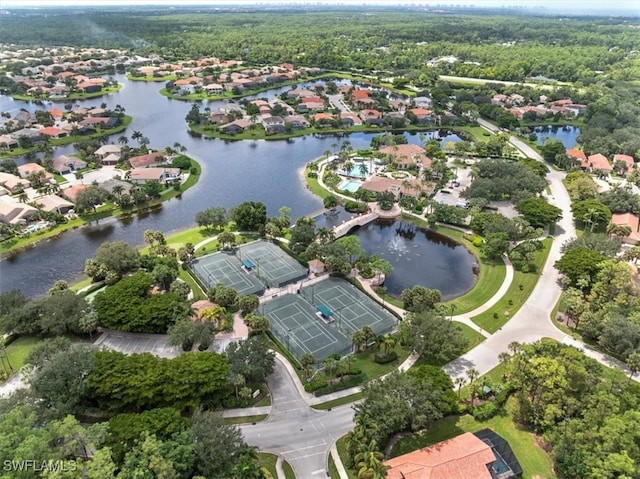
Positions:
{"x": 232, "y": 172}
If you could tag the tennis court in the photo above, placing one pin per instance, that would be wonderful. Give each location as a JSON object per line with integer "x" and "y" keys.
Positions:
{"x": 271, "y": 264}
{"x": 225, "y": 268}
{"x": 297, "y": 323}
{"x": 353, "y": 308}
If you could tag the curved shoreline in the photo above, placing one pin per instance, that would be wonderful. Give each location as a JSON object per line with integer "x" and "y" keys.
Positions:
{"x": 114, "y": 213}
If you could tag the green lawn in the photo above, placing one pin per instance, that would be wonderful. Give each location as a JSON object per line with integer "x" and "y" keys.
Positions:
{"x": 269, "y": 460}
{"x": 473, "y": 337}
{"x": 492, "y": 274}
{"x": 534, "y": 461}
{"x": 517, "y": 294}
{"x": 338, "y": 402}
{"x": 245, "y": 419}
{"x": 19, "y": 349}
{"x": 342, "y": 452}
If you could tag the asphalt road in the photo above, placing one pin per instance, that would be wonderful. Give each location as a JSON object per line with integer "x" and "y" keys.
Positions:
{"x": 303, "y": 436}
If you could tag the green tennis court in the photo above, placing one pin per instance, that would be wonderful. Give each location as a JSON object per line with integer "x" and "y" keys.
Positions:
{"x": 225, "y": 268}
{"x": 271, "y": 264}
{"x": 301, "y": 324}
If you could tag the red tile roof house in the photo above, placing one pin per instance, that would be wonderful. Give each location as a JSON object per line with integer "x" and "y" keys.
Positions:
{"x": 407, "y": 155}
{"x": 52, "y": 132}
{"x": 71, "y": 193}
{"x": 462, "y": 457}
{"x": 150, "y": 159}
{"x": 600, "y": 163}
{"x": 422, "y": 115}
{"x": 627, "y": 160}
{"x": 323, "y": 120}
{"x": 630, "y": 220}
{"x": 580, "y": 156}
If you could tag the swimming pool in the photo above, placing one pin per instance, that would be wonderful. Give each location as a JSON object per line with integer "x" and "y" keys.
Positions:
{"x": 360, "y": 170}
{"x": 351, "y": 185}
{"x": 40, "y": 225}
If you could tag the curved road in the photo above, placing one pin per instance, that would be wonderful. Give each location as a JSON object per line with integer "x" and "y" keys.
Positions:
{"x": 532, "y": 322}
{"x": 303, "y": 436}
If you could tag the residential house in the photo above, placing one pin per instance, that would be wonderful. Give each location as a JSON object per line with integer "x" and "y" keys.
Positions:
{"x": 625, "y": 161}
{"x": 219, "y": 117}
{"x": 16, "y": 213}
{"x": 630, "y": 220}
{"x": 481, "y": 455}
{"x": 323, "y": 120}
{"x": 235, "y": 126}
{"x": 187, "y": 86}
{"x": 576, "y": 109}
{"x": 600, "y": 163}
{"x": 161, "y": 175}
{"x": 100, "y": 121}
{"x": 407, "y": 156}
{"x": 28, "y": 169}
{"x": 8, "y": 143}
{"x": 53, "y": 132}
{"x": 89, "y": 87}
{"x": 106, "y": 150}
{"x": 422, "y": 116}
{"x": 155, "y": 158}
{"x": 64, "y": 164}
{"x": 273, "y": 125}
{"x": 12, "y": 183}
{"x": 298, "y": 93}
{"x": 399, "y": 104}
{"x": 371, "y": 117}
{"x": 350, "y": 119}
{"x": 53, "y": 203}
{"x": 110, "y": 160}
{"x": 423, "y": 102}
{"x": 214, "y": 89}
{"x": 297, "y": 122}
{"x": 579, "y": 156}
{"x": 71, "y": 193}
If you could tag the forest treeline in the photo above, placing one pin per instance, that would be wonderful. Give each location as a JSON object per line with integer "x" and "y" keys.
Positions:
{"x": 504, "y": 47}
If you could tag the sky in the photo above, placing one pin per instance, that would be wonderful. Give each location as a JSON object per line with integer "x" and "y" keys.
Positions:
{"x": 579, "y": 5}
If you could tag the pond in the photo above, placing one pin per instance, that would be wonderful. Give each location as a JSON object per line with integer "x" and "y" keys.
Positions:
{"x": 567, "y": 134}
{"x": 419, "y": 257}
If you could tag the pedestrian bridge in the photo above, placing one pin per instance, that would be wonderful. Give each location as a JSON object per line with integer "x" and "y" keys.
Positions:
{"x": 347, "y": 225}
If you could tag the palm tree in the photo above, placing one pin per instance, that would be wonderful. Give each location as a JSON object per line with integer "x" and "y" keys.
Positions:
{"x": 348, "y": 167}
{"x": 137, "y": 135}
{"x": 472, "y": 374}
{"x": 368, "y": 461}
{"x": 358, "y": 340}
{"x": 389, "y": 343}
{"x": 117, "y": 190}
{"x": 325, "y": 235}
{"x": 459, "y": 381}
{"x": 348, "y": 361}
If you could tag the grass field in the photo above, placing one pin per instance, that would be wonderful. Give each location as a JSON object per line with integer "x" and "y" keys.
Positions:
{"x": 245, "y": 419}
{"x": 269, "y": 460}
{"x": 520, "y": 289}
{"x": 19, "y": 349}
{"x": 338, "y": 402}
{"x": 534, "y": 461}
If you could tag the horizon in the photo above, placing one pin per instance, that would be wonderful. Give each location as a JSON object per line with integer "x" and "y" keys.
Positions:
{"x": 580, "y": 7}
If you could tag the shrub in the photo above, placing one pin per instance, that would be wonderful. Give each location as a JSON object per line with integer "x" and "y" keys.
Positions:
{"x": 486, "y": 411}
{"x": 315, "y": 384}
{"x": 382, "y": 358}
{"x": 230, "y": 402}
{"x": 355, "y": 206}
{"x": 351, "y": 381}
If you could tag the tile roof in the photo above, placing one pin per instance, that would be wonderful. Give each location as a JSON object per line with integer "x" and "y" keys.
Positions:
{"x": 462, "y": 457}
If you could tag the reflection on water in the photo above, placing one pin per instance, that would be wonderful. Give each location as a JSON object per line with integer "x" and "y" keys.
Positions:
{"x": 419, "y": 256}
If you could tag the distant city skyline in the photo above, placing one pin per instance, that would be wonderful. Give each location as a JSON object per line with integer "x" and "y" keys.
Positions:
{"x": 580, "y": 6}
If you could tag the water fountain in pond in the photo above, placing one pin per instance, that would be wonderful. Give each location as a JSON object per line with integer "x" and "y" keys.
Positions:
{"x": 397, "y": 246}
